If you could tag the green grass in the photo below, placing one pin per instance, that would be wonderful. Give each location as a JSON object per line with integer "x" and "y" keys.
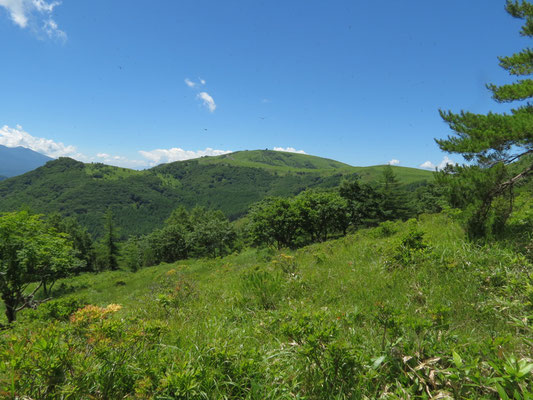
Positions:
{"x": 342, "y": 319}
{"x": 281, "y": 162}
{"x": 108, "y": 172}
{"x": 284, "y": 163}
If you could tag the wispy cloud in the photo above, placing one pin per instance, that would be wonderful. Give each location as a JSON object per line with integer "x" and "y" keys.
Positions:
{"x": 207, "y": 101}
{"x": 193, "y": 84}
{"x": 445, "y": 161}
{"x": 289, "y": 150}
{"x": 14, "y": 137}
{"x": 160, "y": 156}
{"x": 189, "y": 83}
{"x": 394, "y": 162}
{"x": 51, "y": 29}
{"x": 35, "y": 14}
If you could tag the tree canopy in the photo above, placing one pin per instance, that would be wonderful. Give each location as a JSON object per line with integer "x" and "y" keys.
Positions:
{"x": 30, "y": 252}
{"x": 494, "y": 140}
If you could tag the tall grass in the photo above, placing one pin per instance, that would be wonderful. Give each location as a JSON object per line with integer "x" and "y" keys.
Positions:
{"x": 345, "y": 319}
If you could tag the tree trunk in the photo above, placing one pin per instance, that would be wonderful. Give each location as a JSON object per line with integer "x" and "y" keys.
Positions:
{"x": 11, "y": 310}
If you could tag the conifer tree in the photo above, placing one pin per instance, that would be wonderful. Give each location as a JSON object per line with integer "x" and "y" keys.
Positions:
{"x": 493, "y": 141}
{"x": 394, "y": 199}
{"x": 110, "y": 241}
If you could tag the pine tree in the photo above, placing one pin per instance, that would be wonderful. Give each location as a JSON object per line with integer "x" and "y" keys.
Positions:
{"x": 110, "y": 241}
{"x": 394, "y": 199}
{"x": 493, "y": 141}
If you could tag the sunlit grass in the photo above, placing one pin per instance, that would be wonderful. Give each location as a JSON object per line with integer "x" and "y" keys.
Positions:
{"x": 250, "y": 324}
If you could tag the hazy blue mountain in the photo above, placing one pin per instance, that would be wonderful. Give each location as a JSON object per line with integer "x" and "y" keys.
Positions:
{"x": 18, "y": 160}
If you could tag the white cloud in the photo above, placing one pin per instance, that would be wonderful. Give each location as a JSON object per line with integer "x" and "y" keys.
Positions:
{"x": 34, "y": 13}
{"x": 43, "y": 6}
{"x": 51, "y": 29}
{"x": 394, "y": 162}
{"x": 289, "y": 150}
{"x": 192, "y": 84}
{"x": 17, "y": 11}
{"x": 427, "y": 165}
{"x": 14, "y": 137}
{"x": 445, "y": 161}
{"x": 206, "y": 98}
{"x": 207, "y": 101}
{"x": 120, "y": 161}
{"x": 160, "y": 156}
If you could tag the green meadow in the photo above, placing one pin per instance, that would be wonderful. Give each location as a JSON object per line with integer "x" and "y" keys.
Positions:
{"x": 404, "y": 310}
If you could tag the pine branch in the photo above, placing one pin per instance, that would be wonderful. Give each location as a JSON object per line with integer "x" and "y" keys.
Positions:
{"x": 519, "y": 63}
{"x": 516, "y": 157}
{"x": 521, "y": 90}
{"x": 505, "y": 185}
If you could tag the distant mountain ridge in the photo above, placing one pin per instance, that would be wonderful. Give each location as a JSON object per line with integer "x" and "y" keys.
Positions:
{"x": 19, "y": 160}
{"x": 142, "y": 200}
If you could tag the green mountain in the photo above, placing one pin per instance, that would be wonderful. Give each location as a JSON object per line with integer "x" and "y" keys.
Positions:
{"x": 18, "y": 160}
{"x": 141, "y": 200}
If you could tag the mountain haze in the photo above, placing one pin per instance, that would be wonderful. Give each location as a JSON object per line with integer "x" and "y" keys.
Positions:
{"x": 141, "y": 200}
{"x": 18, "y": 160}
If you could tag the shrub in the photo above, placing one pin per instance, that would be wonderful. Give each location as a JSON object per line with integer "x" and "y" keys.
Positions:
{"x": 59, "y": 309}
{"x": 411, "y": 248}
{"x": 327, "y": 365}
{"x": 262, "y": 287}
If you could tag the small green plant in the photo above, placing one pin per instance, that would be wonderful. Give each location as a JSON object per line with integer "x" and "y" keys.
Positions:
{"x": 262, "y": 287}
{"x": 386, "y": 317}
{"x": 513, "y": 377}
{"x": 173, "y": 291}
{"x": 386, "y": 229}
{"x": 411, "y": 248}
{"x": 327, "y": 364}
{"x": 286, "y": 263}
{"x": 440, "y": 315}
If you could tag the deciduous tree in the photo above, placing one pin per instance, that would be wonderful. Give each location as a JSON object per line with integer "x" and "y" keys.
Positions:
{"x": 30, "y": 252}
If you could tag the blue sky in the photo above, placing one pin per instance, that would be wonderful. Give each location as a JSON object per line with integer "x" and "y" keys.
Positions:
{"x": 135, "y": 83}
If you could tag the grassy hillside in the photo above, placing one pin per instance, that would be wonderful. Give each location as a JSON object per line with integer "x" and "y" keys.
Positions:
{"x": 283, "y": 162}
{"x": 362, "y": 317}
{"x": 141, "y": 200}
{"x": 276, "y": 161}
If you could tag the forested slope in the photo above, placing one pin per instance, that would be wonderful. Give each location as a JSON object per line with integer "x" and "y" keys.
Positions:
{"x": 141, "y": 200}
